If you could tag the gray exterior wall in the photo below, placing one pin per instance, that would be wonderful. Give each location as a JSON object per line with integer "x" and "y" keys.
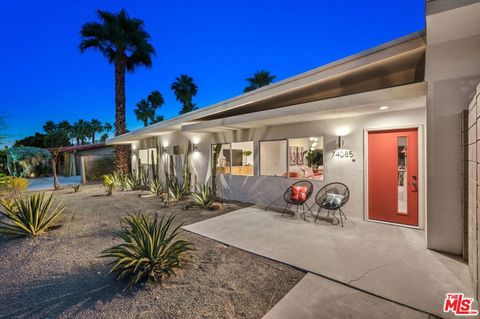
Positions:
{"x": 263, "y": 189}
{"x": 452, "y": 73}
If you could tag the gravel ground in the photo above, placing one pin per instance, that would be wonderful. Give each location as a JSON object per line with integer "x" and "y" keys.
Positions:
{"x": 58, "y": 275}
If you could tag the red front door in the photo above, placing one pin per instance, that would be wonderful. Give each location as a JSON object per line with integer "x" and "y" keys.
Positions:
{"x": 393, "y": 176}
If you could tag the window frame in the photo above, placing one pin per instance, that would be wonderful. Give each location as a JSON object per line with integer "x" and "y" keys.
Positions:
{"x": 260, "y": 156}
{"x": 229, "y": 164}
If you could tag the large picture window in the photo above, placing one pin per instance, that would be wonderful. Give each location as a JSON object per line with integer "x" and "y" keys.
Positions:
{"x": 273, "y": 158}
{"x": 241, "y": 159}
{"x": 305, "y": 158}
{"x": 221, "y": 158}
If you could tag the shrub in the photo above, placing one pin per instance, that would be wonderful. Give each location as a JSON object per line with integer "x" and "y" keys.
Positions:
{"x": 76, "y": 188}
{"x": 175, "y": 189}
{"x": 203, "y": 196}
{"x": 108, "y": 183}
{"x": 149, "y": 249}
{"x": 12, "y": 186}
{"x": 30, "y": 216}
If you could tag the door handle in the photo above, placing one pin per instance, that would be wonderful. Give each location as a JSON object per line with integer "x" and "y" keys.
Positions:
{"x": 414, "y": 183}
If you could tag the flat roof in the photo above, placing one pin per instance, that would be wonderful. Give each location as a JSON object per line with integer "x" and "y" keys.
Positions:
{"x": 394, "y": 63}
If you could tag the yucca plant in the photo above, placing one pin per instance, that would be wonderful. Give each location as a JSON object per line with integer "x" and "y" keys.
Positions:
{"x": 29, "y": 216}
{"x": 175, "y": 189}
{"x": 203, "y": 196}
{"x": 76, "y": 188}
{"x": 150, "y": 249}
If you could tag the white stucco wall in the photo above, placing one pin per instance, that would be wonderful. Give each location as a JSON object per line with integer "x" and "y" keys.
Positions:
{"x": 263, "y": 189}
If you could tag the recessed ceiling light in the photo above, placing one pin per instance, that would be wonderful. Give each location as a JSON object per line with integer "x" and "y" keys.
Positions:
{"x": 385, "y": 107}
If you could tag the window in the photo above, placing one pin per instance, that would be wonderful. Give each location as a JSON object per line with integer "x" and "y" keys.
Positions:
{"x": 147, "y": 156}
{"x": 305, "y": 158}
{"x": 242, "y": 158}
{"x": 273, "y": 158}
{"x": 221, "y": 158}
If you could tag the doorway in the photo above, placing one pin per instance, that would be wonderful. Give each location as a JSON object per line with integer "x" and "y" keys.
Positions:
{"x": 393, "y": 179}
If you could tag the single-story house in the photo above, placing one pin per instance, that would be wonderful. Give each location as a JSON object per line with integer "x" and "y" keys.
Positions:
{"x": 73, "y": 160}
{"x": 395, "y": 123}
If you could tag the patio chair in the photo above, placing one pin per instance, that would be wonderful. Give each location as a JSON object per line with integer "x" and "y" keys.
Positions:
{"x": 299, "y": 201}
{"x": 332, "y": 197}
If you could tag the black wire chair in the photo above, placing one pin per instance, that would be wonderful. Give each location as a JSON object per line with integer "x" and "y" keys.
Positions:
{"x": 287, "y": 197}
{"x": 332, "y": 188}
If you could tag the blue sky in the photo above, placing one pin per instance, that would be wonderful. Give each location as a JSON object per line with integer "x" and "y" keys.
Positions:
{"x": 218, "y": 43}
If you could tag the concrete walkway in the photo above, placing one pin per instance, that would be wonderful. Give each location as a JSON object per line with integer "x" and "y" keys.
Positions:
{"x": 388, "y": 261}
{"x": 315, "y": 297}
{"x": 46, "y": 183}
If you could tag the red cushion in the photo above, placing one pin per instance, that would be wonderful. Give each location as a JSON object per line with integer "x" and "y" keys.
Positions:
{"x": 293, "y": 174}
{"x": 298, "y": 194}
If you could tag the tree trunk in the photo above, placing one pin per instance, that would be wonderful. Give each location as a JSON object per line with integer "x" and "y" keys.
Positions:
{"x": 121, "y": 151}
{"x": 93, "y": 138}
{"x": 145, "y": 123}
{"x": 53, "y": 160}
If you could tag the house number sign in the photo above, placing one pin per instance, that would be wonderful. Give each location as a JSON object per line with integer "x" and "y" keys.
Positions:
{"x": 341, "y": 153}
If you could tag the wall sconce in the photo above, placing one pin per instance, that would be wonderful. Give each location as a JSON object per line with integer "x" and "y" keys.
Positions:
{"x": 163, "y": 150}
{"x": 195, "y": 147}
{"x": 340, "y": 142}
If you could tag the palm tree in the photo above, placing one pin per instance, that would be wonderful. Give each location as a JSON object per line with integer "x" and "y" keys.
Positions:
{"x": 125, "y": 43}
{"x": 156, "y": 100}
{"x": 259, "y": 79}
{"x": 49, "y": 126}
{"x": 96, "y": 127}
{"x": 64, "y": 126}
{"x": 107, "y": 127}
{"x": 185, "y": 90}
{"x": 157, "y": 119}
{"x": 144, "y": 112}
{"x": 79, "y": 131}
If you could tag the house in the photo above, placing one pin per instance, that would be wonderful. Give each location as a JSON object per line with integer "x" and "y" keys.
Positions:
{"x": 396, "y": 123}
{"x": 90, "y": 160}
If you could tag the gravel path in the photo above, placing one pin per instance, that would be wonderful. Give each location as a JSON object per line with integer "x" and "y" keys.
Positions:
{"x": 58, "y": 275}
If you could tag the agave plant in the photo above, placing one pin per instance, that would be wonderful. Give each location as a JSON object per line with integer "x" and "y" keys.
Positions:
{"x": 76, "y": 188}
{"x": 30, "y": 216}
{"x": 150, "y": 249}
{"x": 203, "y": 196}
{"x": 175, "y": 189}
{"x": 157, "y": 187}
{"x": 133, "y": 182}
{"x": 119, "y": 180}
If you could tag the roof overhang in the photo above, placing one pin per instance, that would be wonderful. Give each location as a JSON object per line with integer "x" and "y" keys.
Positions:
{"x": 398, "y": 99}
{"x": 397, "y": 63}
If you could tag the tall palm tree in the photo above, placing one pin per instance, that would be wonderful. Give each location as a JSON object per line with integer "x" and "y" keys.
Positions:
{"x": 156, "y": 100}
{"x": 96, "y": 127}
{"x": 64, "y": 126}
{"x": 185, "y": 89}
{"x": 125, "y": 43}
{"x": 144, "y": 112}
{"x": 259, "y": 79}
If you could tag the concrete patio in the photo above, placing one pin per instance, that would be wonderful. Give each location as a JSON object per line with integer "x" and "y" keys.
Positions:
{"x": 387, "y": 261}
